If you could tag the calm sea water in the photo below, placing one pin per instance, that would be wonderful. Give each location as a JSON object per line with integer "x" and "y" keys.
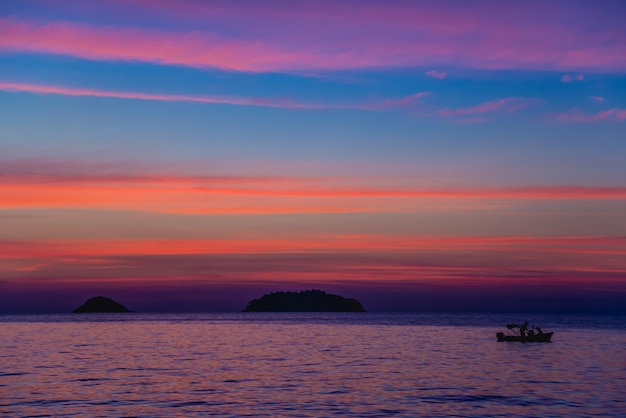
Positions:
{"x": 301, "y": 365}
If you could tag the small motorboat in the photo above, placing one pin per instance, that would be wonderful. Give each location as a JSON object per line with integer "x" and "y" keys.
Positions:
{"x": 523, "y": 334}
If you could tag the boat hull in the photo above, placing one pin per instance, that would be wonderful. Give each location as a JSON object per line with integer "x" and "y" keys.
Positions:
{"x": 538, "y": 338}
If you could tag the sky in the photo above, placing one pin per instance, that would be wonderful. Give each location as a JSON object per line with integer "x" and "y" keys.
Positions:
{"x": 417, "y": 155}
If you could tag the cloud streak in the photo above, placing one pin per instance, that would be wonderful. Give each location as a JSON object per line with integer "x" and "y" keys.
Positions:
{"x": 404, "y": 102}
{"x": 399, "y": 261}
{"x": 567, "y": 78}
{"x": 615, "y": 114}
{"x": 49, "y": 183}
{"x": 436, "y": 74}
{"x": 228, "y": 100}
{"x": 507, "y": 105}
{"x": 238, "y": 101}
{"x": 406, "y": 35}
{"x": 595, "y": 245}
{"x": 249, "y": 195}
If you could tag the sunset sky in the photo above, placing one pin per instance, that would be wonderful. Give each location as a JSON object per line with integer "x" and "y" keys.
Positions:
{"x": 417, "y": 155}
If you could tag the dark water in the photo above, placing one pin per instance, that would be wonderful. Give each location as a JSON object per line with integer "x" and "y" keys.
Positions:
{"x": 308, "y": 365}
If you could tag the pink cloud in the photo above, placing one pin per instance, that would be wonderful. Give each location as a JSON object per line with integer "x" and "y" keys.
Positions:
{"x": 40, "y": 188}
{"x": 328, "y": 36}
{"x": 43, "y": 175}
{"x": 102, "y": 248}
{"x": 610, "y": 115}
{"x": 569, "y": 78}
{"x": 193, "y": 49}
{"x": 584, "y": 260}
{"x": 241, "y": 101}
{"x": 231, "y": 100}
{"x": 402, "y": 102}
{"x": 509, "y": 105}
{"x": 436, "y": 74}
{"x": 597, "y": 99}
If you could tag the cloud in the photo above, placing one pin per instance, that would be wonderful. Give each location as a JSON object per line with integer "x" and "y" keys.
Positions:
{"x": 436, "y": 74}
{"x": 41, "y": 184}
{"x": 569, "y": 78}
{"x": 229, "y": 100}
{"x": 597, "y": 99}
{"x": 254, "y": 198}
{"x": 611, "y": 115}
{"x": 402, "y": 102}
{"x": 380, "y": 261}
{"x": 313, "y": 242}
{"x": 89, "y": 171}
{"x": 324, "y": 36}
{"x": 508, "y": 105}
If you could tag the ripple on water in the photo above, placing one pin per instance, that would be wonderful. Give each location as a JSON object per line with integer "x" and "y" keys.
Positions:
{"x": 304, "y": 367}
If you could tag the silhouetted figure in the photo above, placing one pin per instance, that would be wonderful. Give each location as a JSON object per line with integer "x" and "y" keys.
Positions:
{"x": 523, "y": 328}
{"x": 524, "y": 335}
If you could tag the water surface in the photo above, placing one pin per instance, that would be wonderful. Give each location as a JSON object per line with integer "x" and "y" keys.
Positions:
{"x": 307, "y": 365}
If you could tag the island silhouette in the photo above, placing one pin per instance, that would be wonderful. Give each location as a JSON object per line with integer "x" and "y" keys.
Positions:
{"x": 303, "y": 301}
{"x": 100, "y": 304}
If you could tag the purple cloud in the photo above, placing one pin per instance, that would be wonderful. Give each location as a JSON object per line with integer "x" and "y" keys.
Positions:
{"x": 569, "y": 78}
{"x": 508, "y": 105}
{"x": 611, "y": 115}
{"x": 436, "y": 74}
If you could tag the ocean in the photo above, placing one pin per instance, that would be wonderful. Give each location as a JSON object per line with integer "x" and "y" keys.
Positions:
{"x": 308, "y": 365}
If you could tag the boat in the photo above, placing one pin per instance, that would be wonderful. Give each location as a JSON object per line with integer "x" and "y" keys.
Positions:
{"x": 520, "y": 334}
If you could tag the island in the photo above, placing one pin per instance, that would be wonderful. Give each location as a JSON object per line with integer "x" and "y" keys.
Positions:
{"x": 100, "y": 304}
{"x": 303, "y": 301}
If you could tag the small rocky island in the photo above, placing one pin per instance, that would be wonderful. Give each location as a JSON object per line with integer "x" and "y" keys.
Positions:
{"x": 100, "y": 304}
{"x": 304, "y": 301}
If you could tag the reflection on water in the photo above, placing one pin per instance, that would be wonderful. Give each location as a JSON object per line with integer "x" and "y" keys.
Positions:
{"x": 302, "y": 365}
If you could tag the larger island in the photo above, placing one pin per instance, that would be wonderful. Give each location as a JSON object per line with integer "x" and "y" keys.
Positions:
{"x": 303, "y": 301}
{"x": 100, "y": 304}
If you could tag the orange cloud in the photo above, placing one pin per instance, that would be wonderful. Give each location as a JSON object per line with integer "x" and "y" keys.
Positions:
{"x": 192, "y": 195}
{"x": 42, "y": 183}
{"x": 320, "y": 258}
{"x": 310, "y": 243}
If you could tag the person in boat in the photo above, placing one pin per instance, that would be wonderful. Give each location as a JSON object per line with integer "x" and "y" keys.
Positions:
{"x": 539, "y": 331}
{"x": 523, "y": 328}
{"x": 531, "y": 333}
